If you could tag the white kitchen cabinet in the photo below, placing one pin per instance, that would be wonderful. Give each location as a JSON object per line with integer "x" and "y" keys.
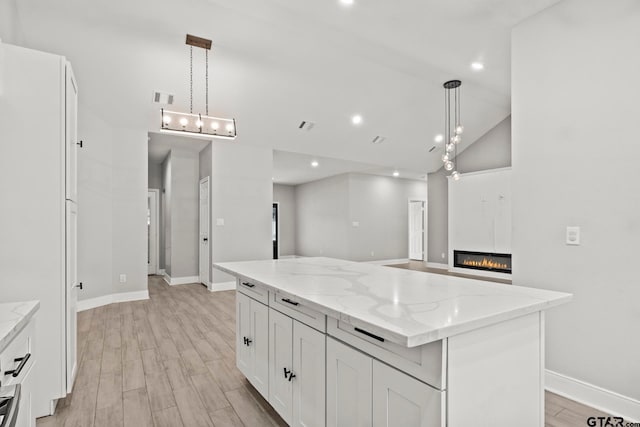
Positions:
{"x": 281, "y": 364}
{"x": 26, "y": 416}
{"x": 400, "y": 400}
{"x": 252, "y": 341}
{"x": 349, "y": 386}
{"x": 296, "y": 371}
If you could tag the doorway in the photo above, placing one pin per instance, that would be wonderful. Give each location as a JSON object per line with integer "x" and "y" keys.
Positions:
{"x": 205, "y": 220}
{"x": 416, "y": 229}
{"x": 153, "y": 197}
{"x": 275, "y": 231}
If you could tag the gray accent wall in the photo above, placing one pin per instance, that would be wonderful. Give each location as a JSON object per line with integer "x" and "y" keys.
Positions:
{"x": 285, "y": 196}
{"x": 355, "y": 216}
{"x": 575, "y": 163}
{"x": 491, "y": 151}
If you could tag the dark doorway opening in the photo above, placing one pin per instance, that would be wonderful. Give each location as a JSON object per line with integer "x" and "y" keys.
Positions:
{"x": 274, "y": 229}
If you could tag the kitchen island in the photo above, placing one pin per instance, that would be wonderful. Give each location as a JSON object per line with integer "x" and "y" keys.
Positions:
{"x": 333, "y": 342}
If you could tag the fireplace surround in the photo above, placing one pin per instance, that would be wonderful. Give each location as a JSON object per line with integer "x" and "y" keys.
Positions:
{"x": 487, "y": 261}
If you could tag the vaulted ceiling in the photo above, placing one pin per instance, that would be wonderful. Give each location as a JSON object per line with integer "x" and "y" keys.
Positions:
{"x": 275, "y": 63}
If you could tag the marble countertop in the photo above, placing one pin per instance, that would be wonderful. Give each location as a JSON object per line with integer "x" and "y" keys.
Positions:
{"x": 407, "y": 307}
{"x": 14, "y": 316}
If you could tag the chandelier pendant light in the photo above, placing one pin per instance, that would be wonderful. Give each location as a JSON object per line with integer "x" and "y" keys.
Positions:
{"x": 453, "y": 127}
{"x": 196, "y": 124}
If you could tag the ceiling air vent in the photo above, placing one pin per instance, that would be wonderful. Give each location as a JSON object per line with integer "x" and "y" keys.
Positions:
{"x": 306, "y": 125}
{"x": 378, "y": 139}
{"x": 162, "y": 98}
{"x": 432, "y": 148}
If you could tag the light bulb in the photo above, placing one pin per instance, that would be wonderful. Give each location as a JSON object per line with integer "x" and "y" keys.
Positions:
{"x": 450, "y": 147}
{"x": 448, "y": 165}
{"x": 215, "y": 125}
{"x": 199, "y": 123}
{"x": 455, "y": 175}
{"x": 445, "y": 157}
{"x": 184, "y": 121}
{"x": 459, "y": 129}
{"x": 457, "y": 139}
{"x": 229, "y": 127}
{"x": 166, "y": 119}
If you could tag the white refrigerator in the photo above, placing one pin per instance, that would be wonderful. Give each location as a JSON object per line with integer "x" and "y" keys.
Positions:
{"x": 38, "y": 216}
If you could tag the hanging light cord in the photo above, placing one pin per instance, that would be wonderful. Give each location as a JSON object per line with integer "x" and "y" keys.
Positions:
{"x": 191, "y": 79}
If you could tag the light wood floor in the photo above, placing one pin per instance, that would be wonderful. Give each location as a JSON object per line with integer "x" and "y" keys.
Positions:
{"x": 170, "y": 361}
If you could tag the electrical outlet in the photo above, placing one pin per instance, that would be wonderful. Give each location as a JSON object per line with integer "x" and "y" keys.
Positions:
{"x": 219, "y": 221}
{"x": 371, "y": 253}
{"x": 573, "y": 236}
{"x": 123, "y": 278}
{"x": 443, "y": 255}
{"x": 356, "y": 223}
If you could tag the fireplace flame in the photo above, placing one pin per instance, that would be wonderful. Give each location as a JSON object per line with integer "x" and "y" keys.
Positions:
{"x": 485, "y": 263}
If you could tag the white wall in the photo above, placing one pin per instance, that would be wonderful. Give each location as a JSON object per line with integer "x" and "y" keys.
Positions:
{"x": 491, "y": 151}
{"x": 575, "y": 163}
{"x": 285, "y": 195}
{"x": 327, "y": 209}
{"x": 241, "y": 195}
{"x": 8, "y": 22}
{"x": 322, "y": 215}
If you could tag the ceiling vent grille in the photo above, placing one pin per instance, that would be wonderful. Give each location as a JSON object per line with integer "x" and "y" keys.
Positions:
{"x": 432, "y": 148}
{"x": 306, "y": 125}
{"x": 378, "y": 139}
{"x": 162, "y": 98}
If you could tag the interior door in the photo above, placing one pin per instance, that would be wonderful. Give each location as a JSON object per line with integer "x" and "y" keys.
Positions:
{"x": 71, "y": 291}
{"x": 152, "y": 231}
{"x": 204, "y": 232}
{"x": 416, "y": 230}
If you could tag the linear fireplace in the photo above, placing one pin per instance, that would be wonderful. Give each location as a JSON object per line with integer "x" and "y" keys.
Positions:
{"x": 482, "y": 261}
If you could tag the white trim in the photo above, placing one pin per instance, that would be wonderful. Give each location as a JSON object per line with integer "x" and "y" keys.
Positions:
{"x": 389, "y": 261}
{"x": 222, "y": 286}
{"x": 438, "y": 265}
{"x": 90, "y": 303}
{"x": 289, "y": 256}
{"x": 181, "y": 280}
{"x": 592, "y": 395}
{"x": 161, "y": 272}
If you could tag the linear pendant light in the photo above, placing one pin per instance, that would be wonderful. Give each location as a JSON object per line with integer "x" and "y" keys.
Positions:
{"x": 196, "y": 124}
{"x": 453, "y": 128}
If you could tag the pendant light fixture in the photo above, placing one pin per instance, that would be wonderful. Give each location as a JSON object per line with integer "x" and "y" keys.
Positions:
{"x": 196, "y": 124}
{"x": 453, "y": 128}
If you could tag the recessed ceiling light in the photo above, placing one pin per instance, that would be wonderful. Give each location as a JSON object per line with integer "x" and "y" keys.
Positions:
{"x": 315, "y": 163}
{"x": 357, "y": 119}
{"x": 477, "y": 66}
{"x": 439, "y": 138}
{"x": 346, "y": 2}
{"x": 396, "y": 174}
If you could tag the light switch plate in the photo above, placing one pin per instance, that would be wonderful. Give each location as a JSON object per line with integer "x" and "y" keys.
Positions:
{"x": 219, "y": 221}
{"x": 573, "y": 236}
{"x": 356, "y": 223}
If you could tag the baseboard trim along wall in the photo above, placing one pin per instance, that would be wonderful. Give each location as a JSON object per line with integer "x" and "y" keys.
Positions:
{"x": 594, "y": 396}
{"x": 388, "y": 261}
{"x": 90, "y": 303}
{"x": 222, "y": 286}
{"x": 172, "y": 281}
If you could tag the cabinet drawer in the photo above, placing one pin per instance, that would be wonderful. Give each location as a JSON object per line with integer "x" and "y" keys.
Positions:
{"x": 426, "y": 363}
{"x": 19, "y": 348}
{"x": 293, "y": 308}
{"x": 253, "y": 290}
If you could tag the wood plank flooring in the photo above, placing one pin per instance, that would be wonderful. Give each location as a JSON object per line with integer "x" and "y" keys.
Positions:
{"x": 170, "y": 362}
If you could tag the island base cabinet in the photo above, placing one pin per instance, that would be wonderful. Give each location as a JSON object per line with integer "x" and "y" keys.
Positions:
{"x": 349, "y": 386}
{"x": 252, "y": 341}
{"x": 400, "y": 400}
{"x": 281, "y": 364}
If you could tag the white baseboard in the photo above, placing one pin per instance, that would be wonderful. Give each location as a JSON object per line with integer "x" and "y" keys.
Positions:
{"x": 438, "y": 265}
{"x": 289, "y": 256}
{"x": 180, "y": 280}
{"x": 222, "y": 286}
{"x": 388, "y": 261}
{"x": 90, "y": 303}
{"x": 161, "y": 272}
{"x": 594, "y": 396}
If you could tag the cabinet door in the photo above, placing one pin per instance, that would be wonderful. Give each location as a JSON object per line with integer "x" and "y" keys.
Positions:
{"x": 26, "y": 416}
{"x": 281, "y": 364}
{"x": 243, "y": 332}
{"x": 259, "y": 346}
{"x": 400, "y": 400}
{"x": 71, "y": 135}
{"x": 309, "y": 382}
{"x": 71, "y": 294}
{"x": 348, "y": 386}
